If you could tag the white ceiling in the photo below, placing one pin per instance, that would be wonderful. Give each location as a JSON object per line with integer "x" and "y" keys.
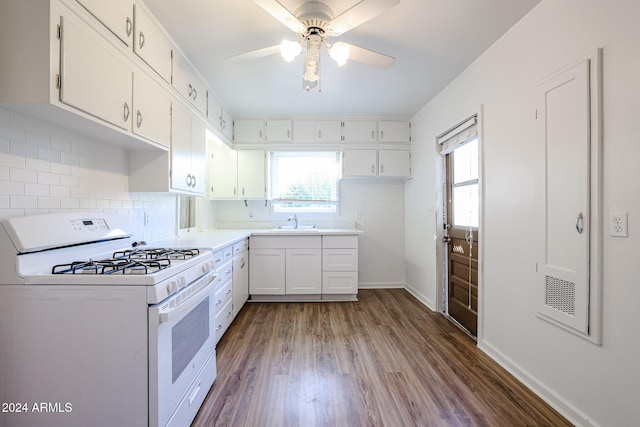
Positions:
{"x": 432, "y": 41}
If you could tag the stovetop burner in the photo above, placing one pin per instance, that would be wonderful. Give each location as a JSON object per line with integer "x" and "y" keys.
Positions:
{"x": 136, "y": 261}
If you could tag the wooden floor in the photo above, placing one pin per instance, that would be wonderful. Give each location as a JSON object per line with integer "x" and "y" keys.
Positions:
{"x": 385, "y": 360}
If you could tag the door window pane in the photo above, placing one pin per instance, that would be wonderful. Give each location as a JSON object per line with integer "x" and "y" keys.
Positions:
{"x": 465, "y": 185}
{"x": 465, "y": 160}
{"x": 465, "y": 206}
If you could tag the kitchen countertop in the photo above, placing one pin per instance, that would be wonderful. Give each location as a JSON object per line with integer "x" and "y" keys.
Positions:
{"x": 219, "y": 238}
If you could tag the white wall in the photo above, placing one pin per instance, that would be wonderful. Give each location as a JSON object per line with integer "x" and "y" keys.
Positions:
{"x": 381, "y": 205}
{"x": 44, "y": 168}
{"x": 593, "y": 385}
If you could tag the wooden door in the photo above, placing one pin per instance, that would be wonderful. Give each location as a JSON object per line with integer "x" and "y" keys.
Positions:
{"x": 462, "y": 235}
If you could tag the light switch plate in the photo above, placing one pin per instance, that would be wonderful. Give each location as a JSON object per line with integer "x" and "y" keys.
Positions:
{"x": 618, "y": 224}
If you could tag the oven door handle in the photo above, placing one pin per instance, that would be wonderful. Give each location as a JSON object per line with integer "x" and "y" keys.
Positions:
{"x": 192, "y": 301}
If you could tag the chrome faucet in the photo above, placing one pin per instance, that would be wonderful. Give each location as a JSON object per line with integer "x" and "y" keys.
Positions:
{"x": 294, "y": 218}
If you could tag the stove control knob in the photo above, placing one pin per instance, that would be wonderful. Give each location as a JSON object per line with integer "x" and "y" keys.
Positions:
{"x": 172, "y": 287}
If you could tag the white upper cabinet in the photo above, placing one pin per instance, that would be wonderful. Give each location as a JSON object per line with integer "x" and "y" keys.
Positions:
{"x": 116, "y": 15}
{"x": 304, "y": 131}
{"x": 394, "y": 131}
{"x": 93, "y": 78}
{"x": 151, "y": 110}
{"x": 222, "y": 171}
{"x": 359, "y": 131}
{"x": 394, "y": 163}
{"x": 187, "y": 82}
{"x": 278, "y": 130}
{"x": 188, "y": 151}
{"x": 357, "y": 163}
{"x": 328, "y": 131}
{"x": 248, "y": 131}
{"x": 251, "y": 174}
{"x": 226, "y": 124}
{"x": 214, "y": 111}
{"x": 151, "y": 44}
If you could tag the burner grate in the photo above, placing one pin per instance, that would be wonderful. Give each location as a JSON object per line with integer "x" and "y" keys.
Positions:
{"x": 113, "y": 266}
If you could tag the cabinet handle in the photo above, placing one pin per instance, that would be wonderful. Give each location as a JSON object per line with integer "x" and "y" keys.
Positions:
{"x": 260, "y": 133}
{"x": 193, "y": 181}
{"x": 190, "y": 90}
{"x": 243, "y": 191}
{"x": 139, "y": 119}
{"x": 381, "y": 169}
{"x": 223, "y": 124}
{"x": 188, "y": 180}
{"x": 127, "y": 112}
{"x": 235, "y": 192}
{"x": 288, "y": 134}
{"x": 319, "y": 134}
{"x": 373, "y": 168}
{"x": 579, "y": 223}
{"x": 129, "y": 26}
{"x": 381, "y": 135}
{"x": 242, "y": 263}
{"x": 195, "y": 93}
{"x": 373, "y": 135}
{"x": 141, "y": 39}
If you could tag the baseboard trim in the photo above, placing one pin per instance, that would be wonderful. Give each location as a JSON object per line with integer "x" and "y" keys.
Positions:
{"x": 381, "y": 285}
{"x": 420, "y": 297}
{"x": 554, "y": 400}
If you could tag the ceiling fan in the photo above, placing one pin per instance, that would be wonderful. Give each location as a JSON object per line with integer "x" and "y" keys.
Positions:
{"x": 314, "y": 22}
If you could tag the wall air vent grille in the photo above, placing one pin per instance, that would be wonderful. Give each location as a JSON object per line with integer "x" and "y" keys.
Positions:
{"x": 561, "y": 295}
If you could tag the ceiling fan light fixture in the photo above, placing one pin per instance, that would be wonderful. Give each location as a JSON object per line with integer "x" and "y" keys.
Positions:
{"x": 290, "y": 50}
{"x": 339, "y": 52}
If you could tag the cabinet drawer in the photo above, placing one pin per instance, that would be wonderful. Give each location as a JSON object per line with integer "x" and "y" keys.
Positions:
{"x": 238, "y": 247}
{"x": 225, "y": 272}
{"x": 340, "y": 242}
{"x": 222, "y": 296}
{"x": 222, "y": 256}
{"x": 339, "y": 260}
{"x": 345, "y": 282}
{"x": 223, "y": 320}
{"x": 286, "y": 242}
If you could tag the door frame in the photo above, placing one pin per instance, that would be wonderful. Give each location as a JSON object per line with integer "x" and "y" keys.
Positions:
{"x": 441, "y": 251}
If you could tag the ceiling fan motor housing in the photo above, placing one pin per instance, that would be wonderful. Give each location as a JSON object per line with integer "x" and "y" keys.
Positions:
{"x": 315, "y": 15}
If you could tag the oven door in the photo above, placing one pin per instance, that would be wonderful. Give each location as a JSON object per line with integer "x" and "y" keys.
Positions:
{"x": 181, "y": 343}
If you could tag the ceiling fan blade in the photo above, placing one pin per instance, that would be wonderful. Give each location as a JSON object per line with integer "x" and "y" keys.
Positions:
{"x": 282, "y": 14}
{"x": 370, "y": 57}
{"x": 358, "y": 14}
{"x": 255, "y": 54}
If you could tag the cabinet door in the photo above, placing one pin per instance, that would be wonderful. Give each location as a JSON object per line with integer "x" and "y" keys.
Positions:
{"x": 226, "y": 124}
{"x": 93, "y": 78}
{"x": 248, "y": 130}
{"x": 214, "y": 111}
{"x": 222, "y": 172}
{"x": 152, "y": 110}
{"x": 267, "y": 272}
{"x": 278, "y": 130}
{"x": 359, "y": 163}
{"x": 151, "y": 44}
{"x": 187, "y": 82}
{"x": 198, "y": 153}
{"x": 116, "y": 15}
{"x": 303, "y": 131}
{"x": 359, "y": 131}
{"x": 340, "y": 260}
{"x": 394, "y": 163}
{"x": 394, "y": 131}
{"x": 328, "y": 131}
{"x": 251, "y": 174}
{"x": 180, "y": 149}
{"x": 240, "y": 281}
{"x": 303, "y": 271}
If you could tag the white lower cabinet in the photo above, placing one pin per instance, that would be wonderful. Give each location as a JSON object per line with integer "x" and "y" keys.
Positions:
{"x": 339, "y": 265}
{"x": 320, "y": 267}
{"x": 240, "y": 275}
{"x": 285, "y": 265}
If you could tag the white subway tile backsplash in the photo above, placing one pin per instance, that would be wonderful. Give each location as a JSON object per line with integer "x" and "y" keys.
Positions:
{"x": 45, "y": 168}
{"x": 23, "y": 202}
{"x": 48, "y": 178}
{"x": 11, "y": 188}
{"x": 49, "y": 202}
{"x": 36, "y": 190}
{"x": 38, "y": 165}
{"x": 12, "y": 160}
{"x": 23, "y": 175}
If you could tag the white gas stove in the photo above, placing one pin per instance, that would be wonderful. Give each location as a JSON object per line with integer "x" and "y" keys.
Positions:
{"x": 108, "y": 330}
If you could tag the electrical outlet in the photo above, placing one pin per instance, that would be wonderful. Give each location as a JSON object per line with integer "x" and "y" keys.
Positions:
{"x": 618, "y": 224}
{"x": 147, "y": 219}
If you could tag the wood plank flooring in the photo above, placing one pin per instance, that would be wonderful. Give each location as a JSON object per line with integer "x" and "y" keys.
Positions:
{"x": 385, "y": 360}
